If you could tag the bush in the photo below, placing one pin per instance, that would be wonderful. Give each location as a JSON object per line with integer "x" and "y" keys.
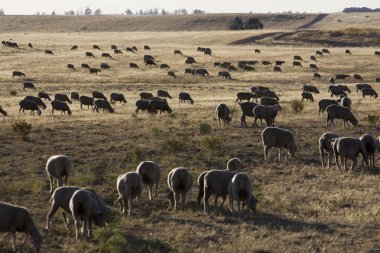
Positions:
{"x": 212, "y": 145}
{"x": 111, "y": 240}
{"x": 174, "y": 144}
{"x": 372, "y": 118}
{"x": 297, "y": 105}
{"x": 204, "y": 128}
{"x": 22, "y": 128}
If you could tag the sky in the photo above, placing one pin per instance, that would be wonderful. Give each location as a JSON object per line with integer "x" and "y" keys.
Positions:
{"x": 26, "y": 7}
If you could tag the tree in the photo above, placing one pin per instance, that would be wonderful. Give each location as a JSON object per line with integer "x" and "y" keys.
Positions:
{"x": 183, "y": 11}
{"x": 53, "y": 13}
{"x": 87, "y": 11}
{"x": 155, "y": 11}
{"x": 141, "y": 12}
{"x": 98, "y": 12}
{"x": 70, "y": 13}
{"x": 163, "y": 12}
{"x": 196, "y": 11}
{"x": 2, "y": 12}
{"x": 128, "y": 12}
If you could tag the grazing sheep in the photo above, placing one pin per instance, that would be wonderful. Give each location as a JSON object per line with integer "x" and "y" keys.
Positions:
{"x": 75, "y": 47}
{"x": 106, "y": 55}
{"x": 98, "y": 95}
{"x": 60, "y": 106}
{"x": 49, "y": 52}
{"x": 325, "y": 146}
{"x": 4, "y": 113}
{"x": 103, "y": 104}
{"x": 297, "y": 58}
{"x": 104, "y": 66}
{"x": 172, "y": 74}
{"x": 207, "y": 51}
{"x": 224, "y": 74}
{"x": 245, "y": 96}
{"x": 297, "y": 64}
{"x": 96, "y": 47}
{"x": 349, "y": 148}
{"x": 345, "y": 102}
{"x": 268, "y": 113}
{"x": 216, "y": 183}
{"x": 89, "y": 54}
{"x": 135, "y": 48}
{"x": 317, "y": 76}
{"x": 164, "y": 66}
{"x": 113, "y": 47}
{"x": 335, "y": 91}
{"x": 188, "y": 71}
{"x": 133, "y": 65}
{"x": 332, "y": 80}
{"x": 85, "y": 66}
{"x": 324, "y": 103}
{"x": 266, "y": 63}
{"x": 129, "y": 187}
{"x": 18, "y": 74}
{"x": 319, "y": 53}
{"x": 308, "y": 96}
{"x": 269, "y": 101}
{"x": 117, "y": 51}
{"x": 247, "y": 110}
{"x": 232, "y": 68}
{"x": 29, "y": 86}
{"x": 180, "y": 182}
{"x": 225, "y": 65}
{"x": 259, "y": 88}
{"x": 150, "y": 174}
{"x": 149, "y": 62}
{"x": 177, "y": 52}
{"x": 277, "y": 69}
{"x": 58, "y": 168}
{"x": 344, "y": 88}
{"x": 310, "y": 88}
{"x": 44, "y": 95}
{"x": 37, "y": 100}
{"x": 31, "y": 45}
{"x": 313, "y": 66}
{"x": 70, "y": 66}
{"x": 249, "y": 68}
{"x": 257, "y": 51}
{"x": 279, "y": 63}
{"x": 61, "y": 199}
{"x": 240, "y": 189}
{"x": 340, "y": 112}
{"x": 147, "y": 48}
{"x": 361, "y": 86}
{"x": 325, "y": 51}
{"x": 146, "y": 95}
{"x": 94, "y": 71}
{"x": 29, "y": 106}
{"x": 274, "y": 137}
{"x": 62, "y": 98}
{"x": 74, "y": 96}
{"x": 142, "y": 105}
{"x": 18, "y": 219}
{"x": 84, "y": 100}
{"x": 118, "y": 97}
{"x": 348, "y": 51}
{"x": 160, "y": 105}
{"x": 164, "y": 94}
{"x": 184, "y": 96}
{"x": 129, "y": 49}
{"x": 202, "y": 72}
{"x": 234, "y": 164}
{"x": 370, "y": 145}
{"x": 358, "y": 77}
{"x": 223, "y": 113}
{"x": 266, "y": 93}
{"x": 341, "y": 76}
{"x": 369, "y": 92}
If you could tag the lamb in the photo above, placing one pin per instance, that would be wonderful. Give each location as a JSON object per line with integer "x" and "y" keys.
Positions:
{"x": 84, "y": 205}
{"x": 29, "y": 86}
{"x": 160, "y": 105}
{"x": 349, "y": 148}
{"x": 180, "y": 182}
{"x": 74, "y": 96}
{"x": 104, "y": 65}
{"x": 84, "y": 100}
{"x": 310, "y": 88}
{"x": 324, "y": 103}
{"x": 60, "y": 106}
{"x": 369, "y": 92}
{"x": 223, "y": 113}
{"x": 44, "y": 95}
{"x": 340, "y": 112}
{"x": 184, "y": 96}
{"x": 325, "y": 146}
{"x": 247, "y": 110}
{"x": 308, "y": 96}
{"x": 150, "y": 173}
{"x": 370, "y": 145}
{"x": 98, "y": 95}
{"x": 216, "y": 183}
{"x": 103, "y": 104}
{"x": 268, "y": 113}
{"x": 118, "y": 97}
{"x": 274, "y": 137}
{"x": 37, "y": 100}
{"x": 268, "y": 101}
{"x": 18, "y": 219}
{"x": 245, "y": 96}
{"x": 164, "y": 94}
{"x": 62, "y": 97}
{"x": 29, "y": 105}
{"x": 129, "y": 186}
{"x": 58, "y": 168}
{"x": 240, "y": 189}
{"x": 142, "y": 105}
{"x": 61, "y": 199}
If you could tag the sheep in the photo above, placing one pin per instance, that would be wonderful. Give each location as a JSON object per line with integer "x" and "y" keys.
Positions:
{"x": 150, "y": 173}
{"x": 84, "y": 205}
{"x": 277, "y": 69}
{"x": 335, "y": 91}
{"x": 58, "y": 168}
{"x": 361, "y": 86}
{"x": 29, "y": 105}
{"x": 4, "y": 113}
{"x": 344, "y": 88}
{"x": 308, "y": 96}
{"x": 180, "y": 182}
{"x": 61, "y": 199}
{"x": 129, "y": 186}
{"x": 160, "y": 105}
{"x": 358, "y": 77}
{"x": 18, "y": 219}
{"x": 133, "y": 65}
{"x": 266, "y": 93}
{"x": 340, "y": 112}
{"x": 313, "y": 66}
{"x": 103, "y": 104}
{"x": 146, "y": 95}
{"x": 164, "y": 66}
{"x": 268, "y": 113}
{"x": 37, "y": 100}
{"x": 184, "y": 96}
{"x": 268, "y": 101}
{"x": 60, "y": 106}
{"x": 62, "y": 97}
{"x": 142, "y": 105}
{"x": 85, "y": 66}
{"x": 147, "y": 48}
{"x": 74, "y": 96}
{"x": 324, "y": 103}
{"x": 310, "y": 88}
{"x": 44, "y": 95}
{"x": 18, "y": 74}
{"x": 104, "y": 65}
{"x": 164, "y": 94}
{"x": 29, "y": 86}
{"x": 84, "y": 100}
{"x": 216, "y": 183}
{"x": 240, "y": 189}
{"x": 345, "y": 101}
{"x": 118, "y": 97}
{"x": 223, "y": 113}
{"x": 98, "y": 95}
{"x": 172, "y": 74}
{"x": 245, "y": 96}
{"x": 247, "y": 110}
{"x": 349, "y": 148}
{"x": 317, "y": 76}
{"x": 274, "y": 137}
{"x": 325, "y": 146}
{"x": 234, "y": 164}
{"x": 370, "y": 145}
{"x": 369, "y": 92}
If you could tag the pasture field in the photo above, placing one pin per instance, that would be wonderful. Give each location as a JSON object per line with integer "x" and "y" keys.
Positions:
{"x": 303, "y": 208}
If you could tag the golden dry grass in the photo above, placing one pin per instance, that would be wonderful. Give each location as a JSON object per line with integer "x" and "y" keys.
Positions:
{"x": 304, "y": 208}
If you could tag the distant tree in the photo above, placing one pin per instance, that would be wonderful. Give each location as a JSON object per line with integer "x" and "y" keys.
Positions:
{"x": 98, "y": 12}
{"x": 43, "y": 13}
{"x": 183, "y": 11}
{"x": 237, "y": 24}
{"x": 360, "y": 9}
{"x": 141, "y": 12}
{"x": 128, "y": 12}
{"x": 163, "y": 12}
{"x": 70, "y": 13}
{"x": 87, "y": 11}
{"x": 155, "y": 11}
{"x": 78, "y": 12}
{"x": 196, "y": 11}
{"x": 150, "y": 12}
{"x": 53, "y": 13}
{"x": 2, "y": 12}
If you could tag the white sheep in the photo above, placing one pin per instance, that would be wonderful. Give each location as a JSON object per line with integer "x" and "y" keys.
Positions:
{"x": 325, "y": 145}
{"x": 274, "y": 137}
{"x": 58, "y": 167}
{"x": 180, "y": 182}
{"x": 349, "y": 148}
{"x": 129, "y": 186}
{"x": 150, "y": 174}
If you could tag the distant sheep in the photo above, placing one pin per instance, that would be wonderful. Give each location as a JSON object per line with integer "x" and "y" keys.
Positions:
{"x": 37, "y": 100}
{"x": 308, "y": 96}
{"x": 369, "y": 92}
{"x": 84, "y": 100}
{"x": 29, "y": 86}
{"x": 44, "y": 95}
{"x": 245, "y": 96}
{"x": 163, "y": 94}
{"x": 370, "y": 145}
{"x": 324, "y": 103}
{"x": 340, "y": 112}
{"x": 60, "y": 106}
{"x": 142, "y": 105}
{"x": 58, "y": 168}
{"x": 118, "y": 97}
{"x": 29, "y": 106}
{"x": 223, "y": 113}
{"x": 74, "y": 96}
{"x": 184, "y": 96}
{"x": 146, "y": 95}
{"x": 98, "y": 95}
{"x": 104, "y": 105}
{"x": 310, "y": 88}
{"x": 62, "y": 98}
{"x": 274, "y": 137}
{"x": 159, "y": 105}
{"x": 247, "y": 110}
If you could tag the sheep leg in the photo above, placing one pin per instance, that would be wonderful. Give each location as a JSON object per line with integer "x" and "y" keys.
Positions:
{"x": 89, "y": 228}
{"x": 323, "y": 158}
{"x": 59, "y": 182}
{"x": 345, "y": 163}
{"x": 337, "y": 161}
{"x": 205, "y": 201}
{"x": 279, "y": 154}
{"x": 231, "y": 204}
{"x": 150, "y": 192}
{"x": 51, "y": 179}
{"x": 129, "y": 204}
{"x": 65, "y": 220}
{"x": 266, "y": 152}
{"x": 329, "y": 159}
{"x": 13, "y": 234}
{"x": 176, "y": 200}
{"x": 155, "y": 193}
{"x": 183, "y": 200}
{"x": 354, "y": 162}
{"x": 52, "y": 211}
{"x": 77, "y": 228}
{"x": 216, "y": 196}
{"x": 238, "y": 206}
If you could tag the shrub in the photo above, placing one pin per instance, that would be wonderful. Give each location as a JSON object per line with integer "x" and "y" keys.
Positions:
{"x": 111, "y": 240}
{"x": 212, "y": 144}
{"x": 297, "y": 105}
{"x": 174, "y": 144}
{"x": 204, "y": 128}
{"x": 22, "y": 128}
{"x": 372, "y": 118}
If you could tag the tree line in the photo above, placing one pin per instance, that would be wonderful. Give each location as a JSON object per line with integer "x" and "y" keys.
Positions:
{"x": 360, "y": 9}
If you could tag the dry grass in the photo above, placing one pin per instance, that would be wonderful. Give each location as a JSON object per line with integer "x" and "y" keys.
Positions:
{"x": 304, "y": 208}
